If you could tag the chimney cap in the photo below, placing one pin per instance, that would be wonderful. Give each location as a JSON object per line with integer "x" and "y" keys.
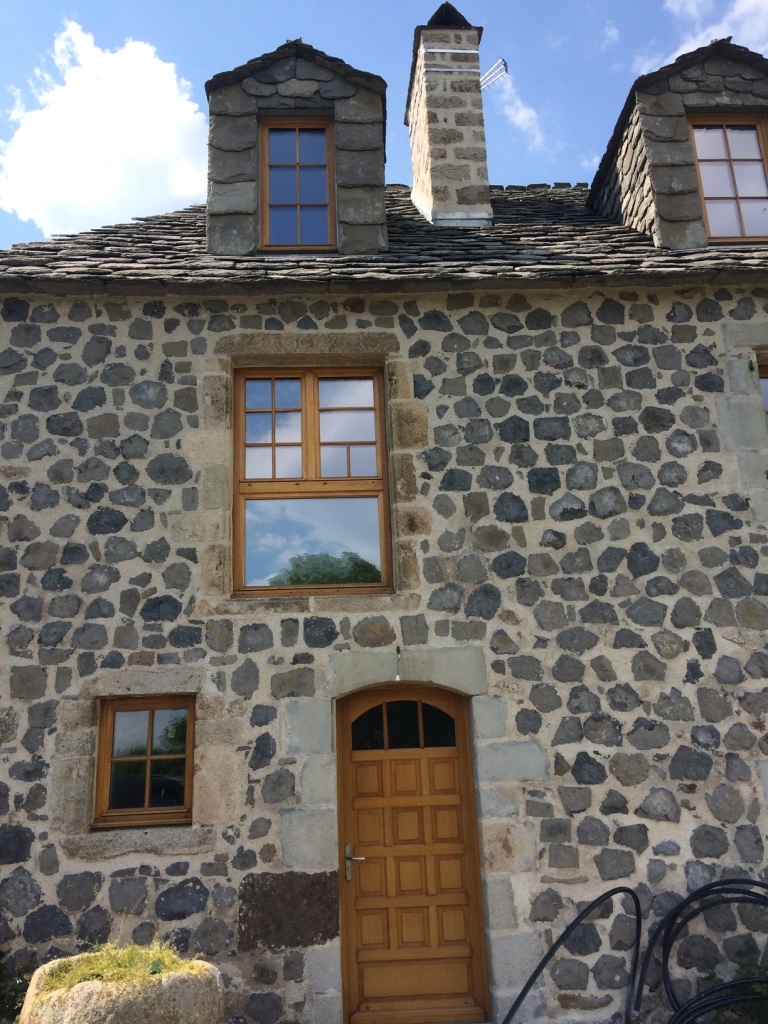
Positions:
{"x": 446, "y": 16}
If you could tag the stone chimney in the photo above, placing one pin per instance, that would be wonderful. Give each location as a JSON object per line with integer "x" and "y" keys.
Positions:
{"x": 444, "y": 114}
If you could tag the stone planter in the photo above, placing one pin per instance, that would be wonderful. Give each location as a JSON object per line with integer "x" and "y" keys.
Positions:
{"x": 172, "y": 998}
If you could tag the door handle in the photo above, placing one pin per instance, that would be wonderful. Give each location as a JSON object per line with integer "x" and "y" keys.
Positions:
{"x": 348, "y": 858}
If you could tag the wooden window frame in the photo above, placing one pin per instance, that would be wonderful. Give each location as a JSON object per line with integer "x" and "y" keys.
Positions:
{"x": 311, "y": 484}
{"x": 759, "y": 123}
{"x": 145, "y": 817}
{"x": 265, "y": 126}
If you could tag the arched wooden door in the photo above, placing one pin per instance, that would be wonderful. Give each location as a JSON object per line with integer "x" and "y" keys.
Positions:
{"x": 413, "y": 941}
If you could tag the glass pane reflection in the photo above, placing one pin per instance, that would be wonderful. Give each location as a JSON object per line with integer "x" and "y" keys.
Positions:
{"x": 287, "y": 427}
{"x": 710, "y": 142}
{"x": 347, "y": 426}
{"x": 313, "y": 185}
{"x": 716, "y": 179}
{"x": 723, "y": 216}
{"x": 282, "y": 185}
{"x": 291, "y": 541}
{"x": 750, "y": 179}
{"x": 755, "y": 214}
{"x": 439, "y": 727}
{"x": 742, "y": 138}
{"x": 402, "y": 724}
{"x": 312, "y": 146}
{"x": 282, "y": 146}
{"x": 287, "y": 463}
{"x": 333, "y": 460}
{"x": 288, "y": 394}
{"x": 314, "y": 225}
{"x": 258, "y": 428}
{"x": 344, "y": 394}
{"x": 166, "y": 783}
{"x": 126, "y": 785}
{"x": 169, "y": 731}
{"x": 129, "y": 738}
{"x": 363, "y": 460}
{"x": 258, "y": 463}
{"x": 283, "y": 225}
{"x": 258, "y": 394}
{"x": 368, "y": 730}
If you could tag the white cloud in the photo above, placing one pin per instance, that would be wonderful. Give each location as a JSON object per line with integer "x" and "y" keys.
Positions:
{"x": 610, "y": 36}
{"x": 519, "y": 114}
{"x": 590, "y": 163}
{"x": 745, "y": 20}
{"x": 112, "y": 135}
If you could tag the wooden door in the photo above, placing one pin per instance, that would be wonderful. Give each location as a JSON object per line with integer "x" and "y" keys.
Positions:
{"x": 412, "y": 927}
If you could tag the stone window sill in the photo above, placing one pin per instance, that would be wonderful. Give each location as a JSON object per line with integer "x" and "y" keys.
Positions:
{"x": 175, "y": 841}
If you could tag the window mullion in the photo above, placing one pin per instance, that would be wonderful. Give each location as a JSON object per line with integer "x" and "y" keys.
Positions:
{"x": 312, "y": 437}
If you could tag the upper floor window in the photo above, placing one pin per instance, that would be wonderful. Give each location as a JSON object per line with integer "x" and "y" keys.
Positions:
{"x": 297, "y": 184}
{"x": 762, "y": 369}
{"x": 731, "y": 158}
{"x": 311, "y": 512}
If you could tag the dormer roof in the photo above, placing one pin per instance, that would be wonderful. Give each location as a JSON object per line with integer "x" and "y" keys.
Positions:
{"x": 298, "y": 50}
{"x": 722, "y": 49}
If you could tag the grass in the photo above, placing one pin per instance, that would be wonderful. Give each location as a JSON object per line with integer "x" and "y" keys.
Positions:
{"x": 119, "y": 965}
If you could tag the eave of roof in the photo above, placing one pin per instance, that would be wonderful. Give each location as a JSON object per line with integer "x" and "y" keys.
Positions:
{"x": 542, "y": 238}
{"x": 718, "y": 47}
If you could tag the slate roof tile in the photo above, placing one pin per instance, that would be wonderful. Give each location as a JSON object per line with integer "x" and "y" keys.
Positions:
{"x": 539, "y": 237}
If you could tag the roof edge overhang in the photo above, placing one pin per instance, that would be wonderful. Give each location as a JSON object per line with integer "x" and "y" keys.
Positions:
{"x": 719, "y": 47}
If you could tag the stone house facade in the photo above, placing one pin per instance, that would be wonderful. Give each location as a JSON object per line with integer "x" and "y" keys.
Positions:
{"x": 573, "y": 558}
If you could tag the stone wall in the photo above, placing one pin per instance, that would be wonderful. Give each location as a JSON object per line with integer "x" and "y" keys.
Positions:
{"x": 573, "y": 544}
{"x": 664, "y": 158}
{"x": 445, "y": 120}
{"x": 295, "y": 80}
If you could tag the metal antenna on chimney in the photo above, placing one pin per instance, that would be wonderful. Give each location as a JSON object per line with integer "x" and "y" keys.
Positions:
{"x": 494, "y": 74}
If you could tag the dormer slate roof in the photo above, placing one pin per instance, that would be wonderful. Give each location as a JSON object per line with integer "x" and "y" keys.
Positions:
{"x": 722, "y": 49}
{"x": 296, "y": 49}
{"x": 541, "y": 237}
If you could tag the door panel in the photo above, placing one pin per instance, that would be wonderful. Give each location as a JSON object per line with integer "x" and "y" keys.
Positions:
{"x": 412, "y": 930}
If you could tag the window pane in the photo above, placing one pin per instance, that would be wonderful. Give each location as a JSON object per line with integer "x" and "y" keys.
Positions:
{"x": 750, "y": 178}
{"x": 282, "y": 185}
{"x": 312, "y": 146}
{"x": 313, "y": 185}
{"x": 258, "y": 394}
{"x": 126, "y": 785}
{"x": 288, "y": 394}
{"x": 716, "y": 179}
{"x": 755, "y": 214}
{"x": 258, "y": 463}
{"x": 333, "y": 460}
{"x": 402, "y": 724}
{"x": 283, "y": 226}
{"x": 166, "y": 783}
{"x": 742, "y": 138}
{"x": 287, "y": 463}
{"x": 710, "y": 142}
{"x": 314, "y": 225}
{"x": 764, "y": 390}
{"x": 439, "y": 727}
{"x": 130, "y": 733}
{"x": 258, "y": 428}
{"x": 297, "y": 541}
{"x": 723, "y": 217}
{"x": 363, "y": 460}
{"x": 347, "y": 426}
{"x": 287, "y": 427}
{"x": 282, "y": 146}
{"x": 339, "y": 394}
{"x": 169, "y": 731}
{"x": 368, "y": 730}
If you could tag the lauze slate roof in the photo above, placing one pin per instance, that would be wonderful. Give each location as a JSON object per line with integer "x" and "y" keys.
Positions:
{"x": 541, "y": 236}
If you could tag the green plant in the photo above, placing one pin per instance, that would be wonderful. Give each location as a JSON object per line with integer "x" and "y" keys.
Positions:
{"x": 119, "y": 964}
{"x": 750, "y": 1013}
{"x": 13, "y": 987}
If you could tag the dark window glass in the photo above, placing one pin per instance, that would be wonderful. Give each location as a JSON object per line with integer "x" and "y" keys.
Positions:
{"x": 166, "y": 783}
{"x": 402, "y": 724}
{"x": 282, "y": 146}
{"x": 368, "y": 730}
{"x": 439, "y": 727}
{"x": 314, "y": 225}
{"x": 126, "y": 787}
{"x": 312, "y": 146}
{"x": 283, "y": 225}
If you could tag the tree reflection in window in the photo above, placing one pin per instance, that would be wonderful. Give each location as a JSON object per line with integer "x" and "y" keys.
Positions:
{"x": 402, "y": 725}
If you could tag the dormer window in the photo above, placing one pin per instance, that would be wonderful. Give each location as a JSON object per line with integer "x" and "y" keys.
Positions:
{"x": 731, "y": 158}
{"x": 297, "y": 204}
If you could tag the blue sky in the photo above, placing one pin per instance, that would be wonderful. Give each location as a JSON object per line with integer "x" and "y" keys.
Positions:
{"x": 103, "y": 110}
